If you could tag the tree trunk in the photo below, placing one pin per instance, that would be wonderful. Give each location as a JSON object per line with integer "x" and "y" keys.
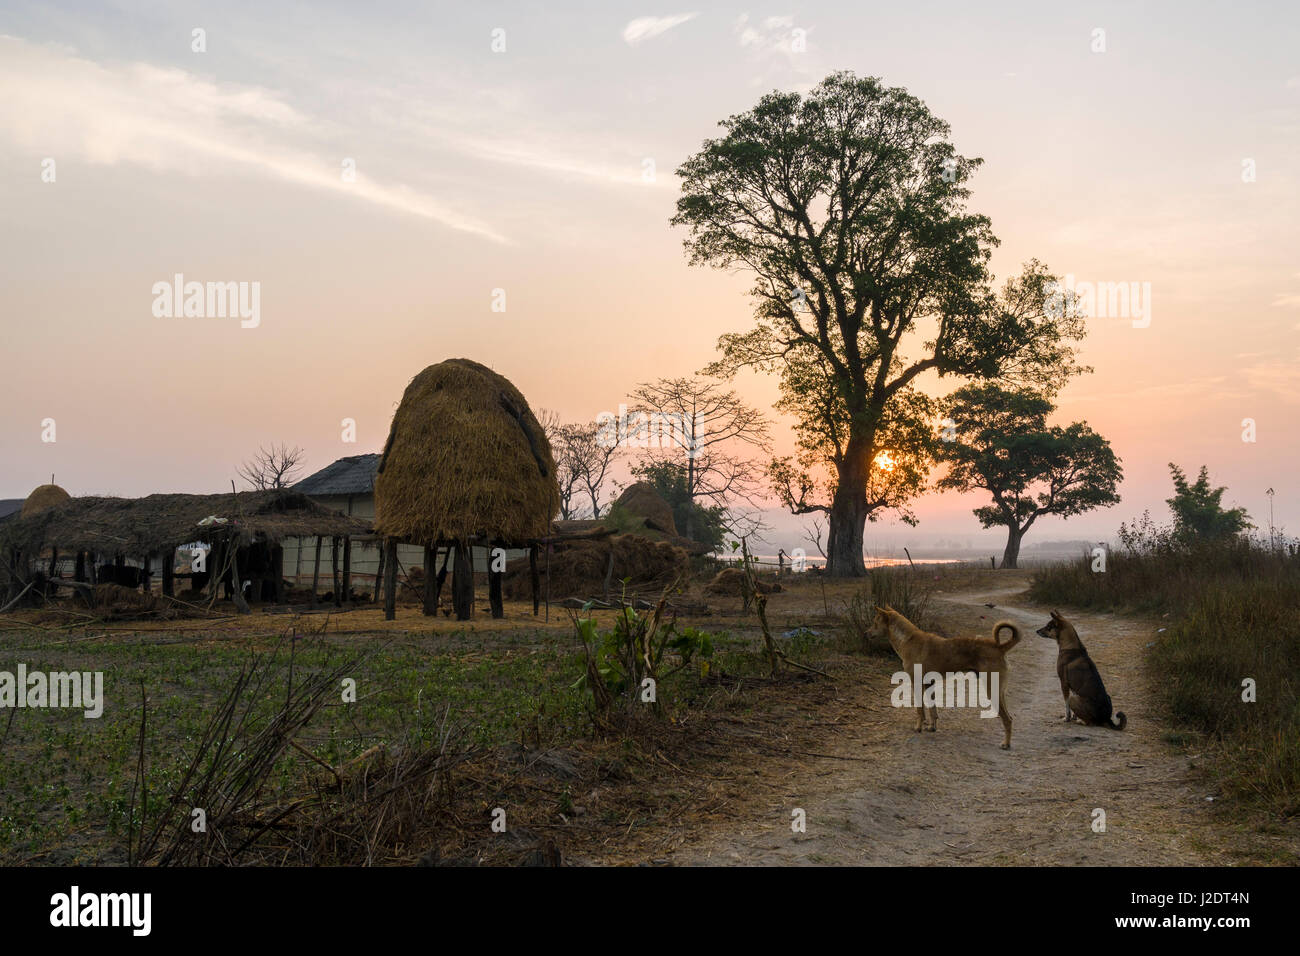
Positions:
{"x": 1012, "y": 553}
{"x": 848, "y": 514}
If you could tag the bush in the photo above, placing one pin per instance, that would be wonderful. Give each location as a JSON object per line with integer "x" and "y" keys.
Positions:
{"x": 901, "y": 589}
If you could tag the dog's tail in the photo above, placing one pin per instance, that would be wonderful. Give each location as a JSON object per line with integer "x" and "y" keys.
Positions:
{"x": 1123, "y": 721}
{"x": 1015, "y": 635}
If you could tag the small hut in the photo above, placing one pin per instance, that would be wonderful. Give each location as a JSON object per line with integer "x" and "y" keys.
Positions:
{"x": 244, "y": 532}
{"x": 466, "y": 462}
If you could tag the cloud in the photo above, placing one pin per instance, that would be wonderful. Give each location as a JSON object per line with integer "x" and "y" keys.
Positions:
{"x": 171, "y": 120}
{"x": 1286, "y": 300}
{"x": 647, "y": 28}
{"x": 1277, "y": 377}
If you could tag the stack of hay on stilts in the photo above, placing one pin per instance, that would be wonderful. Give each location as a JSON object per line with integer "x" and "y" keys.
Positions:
{"x": 466, "y": 465}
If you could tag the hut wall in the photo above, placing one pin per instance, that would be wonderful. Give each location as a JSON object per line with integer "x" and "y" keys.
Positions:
{"x": 365, "y": 555}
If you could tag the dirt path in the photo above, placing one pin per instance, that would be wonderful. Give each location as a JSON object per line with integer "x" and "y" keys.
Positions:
{"x": 894, "y": 796}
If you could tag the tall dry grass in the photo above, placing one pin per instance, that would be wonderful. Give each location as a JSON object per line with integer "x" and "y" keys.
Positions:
{"x": 1234, "y": 617}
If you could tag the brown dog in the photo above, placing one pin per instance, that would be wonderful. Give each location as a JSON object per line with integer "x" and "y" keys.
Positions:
{"x": 1085, "y": 695}
{"x": 956, "y": 655}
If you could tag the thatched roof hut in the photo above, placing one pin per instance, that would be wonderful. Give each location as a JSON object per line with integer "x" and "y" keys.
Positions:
{"x": 159, "y": 523}
{"x": 465, "y": 459}
{"x": 41, "y": 498}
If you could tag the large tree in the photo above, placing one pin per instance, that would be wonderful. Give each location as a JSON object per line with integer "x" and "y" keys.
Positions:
{"x": 902, "y": 451}
{"x": 1001, "y": 442}
{"x": 848, "y": 207}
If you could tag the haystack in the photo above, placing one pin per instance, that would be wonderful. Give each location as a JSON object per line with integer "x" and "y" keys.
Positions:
{"x": 465, "y": 459}
{"x": 732, "y": 581}
{"x": 43, "y": 498}
{"x": 582, "y": 568}
{"x": 641, "y": 499}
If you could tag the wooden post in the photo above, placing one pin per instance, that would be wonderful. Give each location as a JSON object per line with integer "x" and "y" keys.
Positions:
{"x": 237, "y": 590}
{"x": 79, "y": 569}
{"x": 379, "y": 572}
{"x": 442, "y": 573}
{"x": 315, "y": 573}
{"x": 277, "y": 568}
{"x": 462, "y": 581}
{"x": 169, "y": 573}
{"x": 297, "y": 570}
{"x": 494, "y": 587}
{"x": 430, "y": 581}
{"x": 215, "y": 563}
{"x": 334, "y": 570}
{"x": 532, "y": 573}
{"x": 347, "y": 567}
{"x": 390, "y": 580}
{"x": 146, "y": 585}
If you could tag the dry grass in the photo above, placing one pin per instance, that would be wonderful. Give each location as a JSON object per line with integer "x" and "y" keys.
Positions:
{"x": 42, "y": 498}
{"x": 465, "y": 458}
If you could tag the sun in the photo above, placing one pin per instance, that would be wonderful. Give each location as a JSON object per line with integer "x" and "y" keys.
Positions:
{"x": 885, "y": 461}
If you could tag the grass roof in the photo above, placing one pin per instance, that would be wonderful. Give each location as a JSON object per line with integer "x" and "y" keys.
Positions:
{"x": 158, "y": 523}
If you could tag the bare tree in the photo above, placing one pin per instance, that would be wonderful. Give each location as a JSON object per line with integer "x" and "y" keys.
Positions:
{"x": 582, "y": 462}
{"x": 701, "y": 424}
{"x": 272, "y": 468}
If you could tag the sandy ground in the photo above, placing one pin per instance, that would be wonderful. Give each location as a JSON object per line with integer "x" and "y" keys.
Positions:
{"x": 886, "y": 795}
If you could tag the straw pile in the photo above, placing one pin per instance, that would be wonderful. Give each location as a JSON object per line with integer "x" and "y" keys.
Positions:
{"x": 578, "y": 569}
{"x": 43, "y": 498}
{"x": 465, "y": 458}
{"x": 641, "y": 499}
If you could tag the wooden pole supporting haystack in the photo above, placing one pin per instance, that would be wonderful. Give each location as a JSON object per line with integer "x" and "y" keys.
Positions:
{"x": 495, "y": 577}
{"x": 442, "y": 574}
{"x": 430, "y": 581}
{"x": 462, "y": 581}
{"x": 297, "y": 569}
{"x": 146, "y": 584}
{"x": 169, "y": 573}
{"x": 533, "y": 576}
{"x": 390, "y": 580}
{"x": 379, "y": 572}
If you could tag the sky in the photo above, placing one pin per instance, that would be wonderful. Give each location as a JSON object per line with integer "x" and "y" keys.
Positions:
{"x": 381, "y": 170}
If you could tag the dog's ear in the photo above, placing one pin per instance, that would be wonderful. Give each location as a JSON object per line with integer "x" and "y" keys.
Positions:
{"x": 1056, "y": 616}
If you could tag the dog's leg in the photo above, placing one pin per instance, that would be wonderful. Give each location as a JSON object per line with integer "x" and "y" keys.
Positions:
{"x": 1084, "y": 711}
{"x": 1065, "y": 692}
{"x": 934, "y": 719}
{"x": 920, "y": 719}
